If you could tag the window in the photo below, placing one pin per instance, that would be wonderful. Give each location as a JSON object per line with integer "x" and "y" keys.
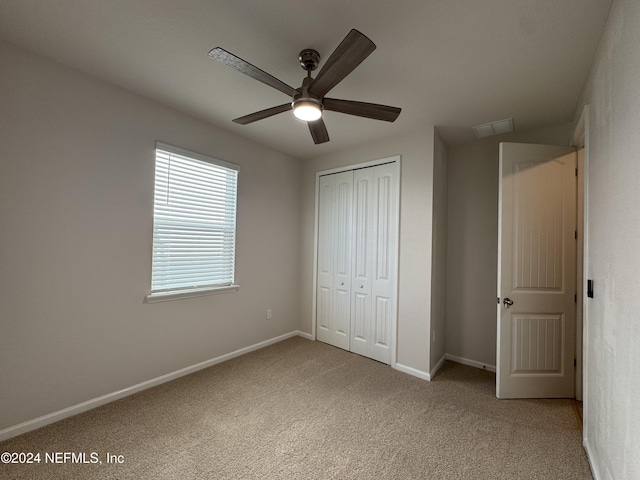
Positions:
{"x": 194, "y": 225}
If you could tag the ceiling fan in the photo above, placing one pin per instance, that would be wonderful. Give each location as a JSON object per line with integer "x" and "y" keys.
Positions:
{"x": 308, "y": 101}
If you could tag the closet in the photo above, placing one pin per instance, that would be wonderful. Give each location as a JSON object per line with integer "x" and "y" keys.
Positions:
{"x": 357, "y": 256}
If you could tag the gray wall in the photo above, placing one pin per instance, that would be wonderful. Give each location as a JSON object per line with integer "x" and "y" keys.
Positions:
{"x": 612, "y": 255}
{"x": 76, "y": 211}
{"x": 472, "y": 243}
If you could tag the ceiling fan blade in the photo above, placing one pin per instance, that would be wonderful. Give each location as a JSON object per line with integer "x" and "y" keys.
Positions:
{"x": 269, "y": 112}
{"x": 318, "y": 131}
{"x": 345, "y": 58}
{"x": 252, "y": 71}
{"x": 362, "y": 109}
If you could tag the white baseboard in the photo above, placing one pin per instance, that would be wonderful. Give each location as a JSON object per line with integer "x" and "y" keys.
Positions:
{"x": 306, "y": 335}
{"x": 435, "y": 369}
{"x": 53, "y": 417}
{"x": 471, "y": 363}
{"x": 413, "y": 371}
{"x": 594, "y": 469}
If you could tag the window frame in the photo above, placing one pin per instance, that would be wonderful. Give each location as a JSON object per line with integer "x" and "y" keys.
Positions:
{"x": 174, "y": 293}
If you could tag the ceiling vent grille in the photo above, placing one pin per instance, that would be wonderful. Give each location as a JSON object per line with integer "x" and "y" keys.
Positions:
{"x": 494, "y": 128}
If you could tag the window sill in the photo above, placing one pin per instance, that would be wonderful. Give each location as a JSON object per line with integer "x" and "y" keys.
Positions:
{"x": 167, "y": 296}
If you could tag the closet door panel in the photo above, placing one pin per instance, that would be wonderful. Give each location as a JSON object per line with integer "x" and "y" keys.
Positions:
{"x": 342, "y": 246}
{"x": 382, "y": 325}
{"x": 384, "y": 276}
{"x": 323, "y": 316}
{"x": 324, "y": 305}
{"x": 333, "y": 294}
{"x": 363, "y": 248}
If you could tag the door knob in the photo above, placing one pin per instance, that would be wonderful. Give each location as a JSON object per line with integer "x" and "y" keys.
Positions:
{"x": 507, "y": 302}
{"x": 361, "y": 286}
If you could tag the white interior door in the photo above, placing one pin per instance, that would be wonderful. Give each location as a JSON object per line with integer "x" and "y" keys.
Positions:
{"x": 536, "y": 271}
{"x": 333, "y": 295}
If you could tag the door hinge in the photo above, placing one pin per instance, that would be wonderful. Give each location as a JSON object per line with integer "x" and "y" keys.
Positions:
{"x": 498, "y": 300}
{"x": 575, "y": 234}
{"x": 575, "y": 298}
{"x": 575, "y": 362}
{"x": 576, "y": 172}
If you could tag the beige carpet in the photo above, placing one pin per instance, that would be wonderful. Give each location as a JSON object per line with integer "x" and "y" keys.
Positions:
{"x": 305, "y": 410}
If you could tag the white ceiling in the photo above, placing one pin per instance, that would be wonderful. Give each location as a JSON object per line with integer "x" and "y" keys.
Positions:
{"x": 449, "y": 63}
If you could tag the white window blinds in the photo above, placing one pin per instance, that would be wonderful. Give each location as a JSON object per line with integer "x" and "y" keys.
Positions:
{"x": 194, "y": 222}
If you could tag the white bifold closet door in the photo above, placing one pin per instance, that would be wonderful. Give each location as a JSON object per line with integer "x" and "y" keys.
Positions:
{"x": 333, "y": 315}
{"x": 357, "y": 244}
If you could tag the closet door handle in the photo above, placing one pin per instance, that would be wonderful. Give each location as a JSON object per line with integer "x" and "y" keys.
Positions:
{"x": 341, "y": 283}
{"x": 361, "y": 286}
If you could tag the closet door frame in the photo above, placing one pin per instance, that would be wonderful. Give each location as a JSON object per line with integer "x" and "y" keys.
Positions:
{"x": 396, "y": 161}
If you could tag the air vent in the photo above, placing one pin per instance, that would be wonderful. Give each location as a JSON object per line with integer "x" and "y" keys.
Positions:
{"x": 494, "y": 128}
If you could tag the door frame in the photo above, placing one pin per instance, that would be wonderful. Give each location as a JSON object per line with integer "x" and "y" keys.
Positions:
{"x": 580, "y": 141}
{"x": 395, "y": 159}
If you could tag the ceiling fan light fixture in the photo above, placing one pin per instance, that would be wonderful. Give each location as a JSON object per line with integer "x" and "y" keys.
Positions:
{"x": 307, "y": 110}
